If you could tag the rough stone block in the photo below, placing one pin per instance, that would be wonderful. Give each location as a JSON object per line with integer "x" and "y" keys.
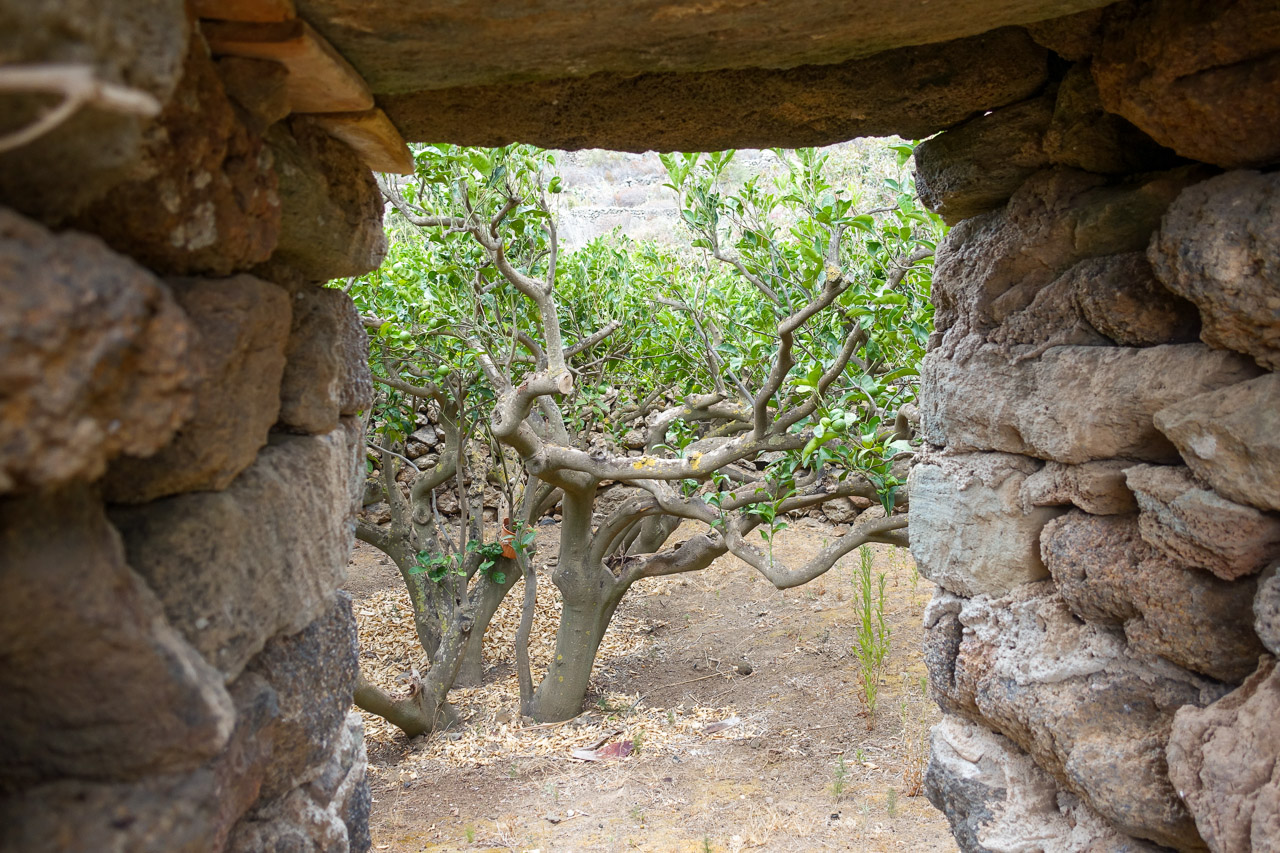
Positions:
{"x": 968, "y": 528}
{"x": 242, "y": 325}
{"x": 1083, "y": 135}
{"x": 1266, "y": 609}
{"x": 259, "y": 86}
{"x": 975, "y": 167}
{"x": 1214, "y": 99}
{"x": 997, "y": 798}
{"x": 176, "y": 813}
{"x": 992, "y": 266}
{"x": 1072, "y": 405}
{"x": 1198, "y": 527}
{"x": 943, "y": 635}
{"x": 1098, "y": 488}
{"x": 330, "y": 813}
{"x": 1121, "y": 297}
{"x": 331, "y": 219}
{"x": 94, "y": 358}
{"x": 138, "y": 43}
{"x": 1053, "y": 318}
{"x": 163, "y": 815}
{"x": 1109, "y": 576}
{"x": 1231, "y": 439}
{"x": 326, "y": 372}
{"x": 1073, "y": 696}
{"x": 911, "y": 91}
{"x": 634, "y": 40}
{"x": 1225, "y": 760}
{"x": 94, "y": 684}
{"x": 313, "y": 673}
{"x": 263, "y": 557}
{"x": 1113, "y": 298}
{"x": 1073, "y": 37}
{"x": 202, "y": 200}
{"x": 1219, "y": 246}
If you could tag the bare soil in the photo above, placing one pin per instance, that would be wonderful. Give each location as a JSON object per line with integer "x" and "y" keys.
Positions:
{"x": 801, "y": 764}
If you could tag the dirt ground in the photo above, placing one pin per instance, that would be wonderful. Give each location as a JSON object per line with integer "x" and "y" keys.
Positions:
{"x": 785, "y": 758}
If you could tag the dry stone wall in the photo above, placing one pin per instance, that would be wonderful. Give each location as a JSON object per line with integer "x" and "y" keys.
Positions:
{"x": 1098, "y": 499}
{"x": 180, "y": 454}
{"x": 180, "y": 447}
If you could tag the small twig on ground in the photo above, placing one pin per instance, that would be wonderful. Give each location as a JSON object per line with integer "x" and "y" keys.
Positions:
{"x": 551, "y": 725}
{"x": 827, "y": 726}
{"x": 690, "y": 681}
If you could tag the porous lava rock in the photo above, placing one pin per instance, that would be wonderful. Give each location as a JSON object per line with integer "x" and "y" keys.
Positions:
{"x": 910, "y": 91}
{"x": 241, "y": 327}
{"x": 141, "y": 44}
{"x": 1121, "y": 297}
{"x": 94, "y": 358}
{"x": 1074, "y": 697}
{"x": 313, "y": 674}
{"x": 1098, "y": 302}
{"x": 151, "y": 706}
{"x": 173, "y": 813}
{"x": 202, "y": 199}
{"x": 327, "y": 373}
{"x": 1266, "y": 609}
{"x": 260, "y": 558}
{"x": 996, "y": 798}
{"x": 331, "y": 207}
{"x": 330, "y": 812}
{"x": 1199, "y": 76}
{"x": 976, "y": 166}
{"x": 969, "y": 530}
{"x": 1082, "y": 134}
{"x": 1108, "y": 575}
{"x": 992, "y": 266}
{"x": 1098, "y": 488}
{"x": 1073, "y": 37}
{"x": 1230, "y": 438}
{"x": 1074, "y": 404}
{"x": 1223, "y": 759}
{"x": 1198, "y": 527}
{"x": 402, "y": 50}
{"x": 1219, "y": 246}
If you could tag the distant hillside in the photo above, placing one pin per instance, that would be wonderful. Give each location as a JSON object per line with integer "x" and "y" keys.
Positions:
{"x": 604, "y": 190}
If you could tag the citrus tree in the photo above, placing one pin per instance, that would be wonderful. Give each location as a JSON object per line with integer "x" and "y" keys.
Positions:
{"x": 765, "y": 369}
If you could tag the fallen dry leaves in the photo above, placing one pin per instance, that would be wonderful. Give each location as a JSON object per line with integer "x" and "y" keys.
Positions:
{"x": 492, "y": 729}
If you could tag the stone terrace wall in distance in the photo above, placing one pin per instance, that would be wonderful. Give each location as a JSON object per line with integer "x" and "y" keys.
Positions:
{"x": 178, "y": 453}
{"x": 1100, "y": 497}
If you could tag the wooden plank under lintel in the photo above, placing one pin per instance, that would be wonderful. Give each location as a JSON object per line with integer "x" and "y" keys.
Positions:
{"x": 320, "y": 80}
{"x": 371, "y": 135}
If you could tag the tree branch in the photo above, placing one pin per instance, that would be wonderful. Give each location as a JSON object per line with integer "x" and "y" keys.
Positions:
{"x": 421, "y": 220}
{"x": 373, "y": 535}
{"x": 590, "y": 341}
{"x": 867, "y": 527}
{"x": 901, "y": 269}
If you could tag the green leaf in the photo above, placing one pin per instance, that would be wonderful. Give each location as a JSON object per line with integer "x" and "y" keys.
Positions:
{"x": 900, "y": 373}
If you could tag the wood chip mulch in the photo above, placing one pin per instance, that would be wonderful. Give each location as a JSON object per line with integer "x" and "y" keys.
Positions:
{"x": 492, "y": 729}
